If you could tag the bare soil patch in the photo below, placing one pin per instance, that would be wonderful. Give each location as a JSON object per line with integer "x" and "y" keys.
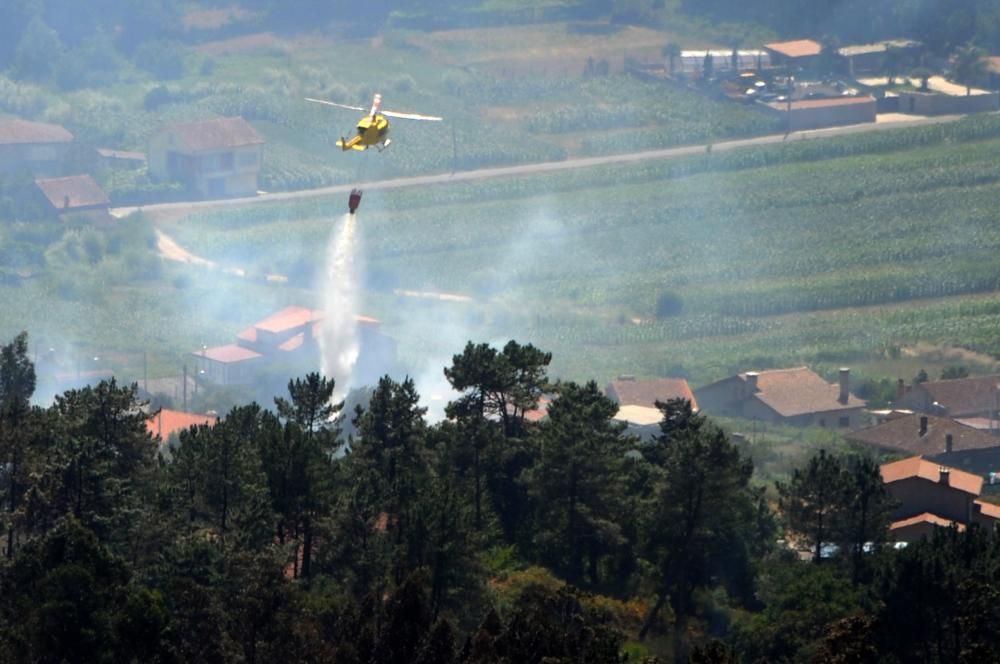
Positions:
{"x": 212, "y": 19}
{"x": 552, "y": 49}
{"x": 255, "y": 42}
{"x": 950, "y": 354}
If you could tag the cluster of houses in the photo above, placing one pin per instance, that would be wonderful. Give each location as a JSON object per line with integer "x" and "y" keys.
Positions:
{"x": 809, "y": 87}
{"x": 946, "y": 431}
{"x": 212, "y": 158}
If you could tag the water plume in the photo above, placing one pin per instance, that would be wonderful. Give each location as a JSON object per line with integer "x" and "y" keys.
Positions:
{"x": 338, "y": 342}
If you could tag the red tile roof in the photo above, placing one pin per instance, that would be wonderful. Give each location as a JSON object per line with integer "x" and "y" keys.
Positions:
{"x": 217, "y": 134}
{"x": 926, "y": 517}
{"x": 288, "y": 319}
{"x": 21, "y": 131}
{"x": 166, "y": 422}
{"x": 249, "y": 334}
{"x": 228, "y": 354}
{"x": 903, "y": 434}
{"x": 73, "y": 192}
{"x": 631, "y": 392}
{"x": 540, "y": 413}
{"x": 293, "y": 317}
{"x": 798, "y": 48}
{"x": 293, "y": 343}
{"x": 990, "y": 510}
{"x": 920, "y": 467}
{"x": 798, "y": 391}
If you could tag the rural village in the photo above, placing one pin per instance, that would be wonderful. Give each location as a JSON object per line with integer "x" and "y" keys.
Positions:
{"x": 216, "y": 232}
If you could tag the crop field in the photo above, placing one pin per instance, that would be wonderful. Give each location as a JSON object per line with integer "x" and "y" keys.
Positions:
{"x": 821, "y": 262}
{"x": 821, "y": 252}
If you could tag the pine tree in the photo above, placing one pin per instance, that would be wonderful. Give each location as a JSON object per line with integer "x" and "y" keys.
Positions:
{"x": 812, "y": 504}
{"x": 702, "y": 524}
{"x": 575, "y": 483}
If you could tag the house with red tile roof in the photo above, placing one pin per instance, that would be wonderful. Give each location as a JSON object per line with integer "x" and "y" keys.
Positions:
{"x": 931, "y": 495}
{"x": 799, "y": 397}
{"x": 977, "y": 396}
{"x": 76, "y": 197}
{"x": 920, "y": 526}
{"x": 215, "y": 158}
{"x": 937, "y": 438}
{"x": 165, "y": 422}
{"x": 291, "y": 336}
{"x": 33, "y": 147}
{"x": 627, "y": 391}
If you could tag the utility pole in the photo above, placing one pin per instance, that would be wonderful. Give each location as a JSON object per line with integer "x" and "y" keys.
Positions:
{"x": 185, "y": 388}
{"x": 145, "y": 372}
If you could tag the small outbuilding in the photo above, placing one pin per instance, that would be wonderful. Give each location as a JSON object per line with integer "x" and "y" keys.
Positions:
{"x": 830, "y": 112}
{"x": 76, "y": 197}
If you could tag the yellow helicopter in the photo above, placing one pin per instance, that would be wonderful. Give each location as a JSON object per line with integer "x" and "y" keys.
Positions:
{"x": 373, "y": 129}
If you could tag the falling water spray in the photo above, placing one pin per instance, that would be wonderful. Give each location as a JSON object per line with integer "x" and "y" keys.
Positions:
{"x": 339, "y": 344}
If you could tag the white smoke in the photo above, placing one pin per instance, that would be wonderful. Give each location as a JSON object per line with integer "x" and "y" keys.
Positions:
{"x": 339, "y": 343}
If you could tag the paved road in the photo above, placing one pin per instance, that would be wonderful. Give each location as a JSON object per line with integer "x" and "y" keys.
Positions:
{"x": 531, "y": 169}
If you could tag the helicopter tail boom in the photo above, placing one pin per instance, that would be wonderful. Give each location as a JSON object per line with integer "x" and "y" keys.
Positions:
{"x": 353, "y": 144}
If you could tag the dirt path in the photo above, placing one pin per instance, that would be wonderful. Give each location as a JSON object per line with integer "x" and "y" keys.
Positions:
{"x": 171, "y": 251}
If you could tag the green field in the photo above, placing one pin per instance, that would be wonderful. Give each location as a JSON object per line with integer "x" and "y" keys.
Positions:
{"x": 842, "y": 260}
{"x": 817, "y": 252}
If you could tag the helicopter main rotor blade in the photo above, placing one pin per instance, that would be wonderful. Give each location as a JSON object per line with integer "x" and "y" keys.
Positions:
{"x": 411, "y": 116}
{"x": 332, "y": 103}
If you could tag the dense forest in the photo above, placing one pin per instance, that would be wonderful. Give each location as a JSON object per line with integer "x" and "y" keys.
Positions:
{"x": 487, "y": 537}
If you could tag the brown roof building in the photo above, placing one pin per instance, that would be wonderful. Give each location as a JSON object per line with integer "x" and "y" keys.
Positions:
{"x": 797, "y": 53}
{"x": 797, "y": 396}
{"x": 931, "y": 495}
{"x": 76, "y": 196}
{"x": 958, "y": 397}
{"x": 34, "y": 147}
{"x": 925, "y": 435}
{"x": 214, "y": 158}
{"x": 627, "y": 391}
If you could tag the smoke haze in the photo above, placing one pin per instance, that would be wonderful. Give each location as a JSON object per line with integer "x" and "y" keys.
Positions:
{"x": 338, "y": 342}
